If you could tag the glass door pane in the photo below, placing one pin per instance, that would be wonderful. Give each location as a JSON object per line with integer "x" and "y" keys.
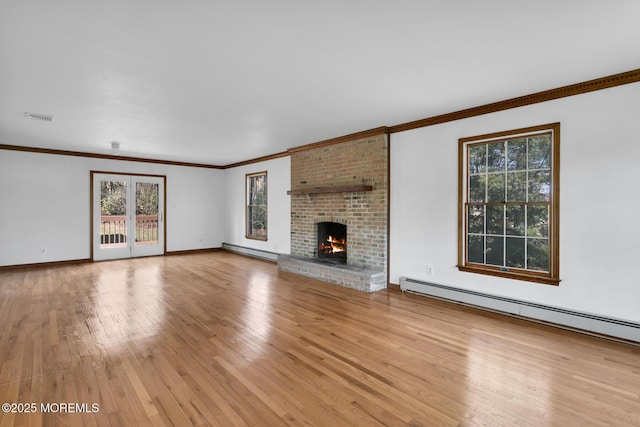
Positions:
{"x": 146, "y": 213}
{"x": 147, "y": 237}
{"x": 111, "y": 220}
{"x": 113, "y": 214}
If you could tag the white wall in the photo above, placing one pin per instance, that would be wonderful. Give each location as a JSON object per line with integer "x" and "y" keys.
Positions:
{"x": 279, "y": 205}
{"x": 44, "y": 203}
{"x": 599, "y": 202}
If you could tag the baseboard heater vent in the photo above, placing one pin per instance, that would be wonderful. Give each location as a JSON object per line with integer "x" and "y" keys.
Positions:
{"x": 562, "y": 317}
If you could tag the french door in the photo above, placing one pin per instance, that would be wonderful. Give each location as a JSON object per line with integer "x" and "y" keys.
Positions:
{"x": 128, "y": 215}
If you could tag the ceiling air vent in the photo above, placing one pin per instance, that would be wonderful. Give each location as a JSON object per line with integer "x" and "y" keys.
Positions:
{"x": 43, "y": 117}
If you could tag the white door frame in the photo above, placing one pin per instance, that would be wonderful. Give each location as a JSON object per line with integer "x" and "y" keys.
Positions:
{"x": 130, "y": 249}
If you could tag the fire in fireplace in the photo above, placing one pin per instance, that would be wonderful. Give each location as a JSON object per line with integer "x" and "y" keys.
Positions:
{"x": 332, "y": 242}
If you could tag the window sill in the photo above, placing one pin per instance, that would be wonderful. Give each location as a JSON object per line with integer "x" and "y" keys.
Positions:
{"x": 263, "y": 238}
{"x": 514, "y": 274}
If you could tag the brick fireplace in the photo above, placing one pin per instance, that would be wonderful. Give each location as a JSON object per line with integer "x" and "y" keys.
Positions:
{"x": 344, "y": 183}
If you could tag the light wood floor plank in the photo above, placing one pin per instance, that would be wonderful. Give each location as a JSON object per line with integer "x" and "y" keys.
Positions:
{"x": 220, "y": 339}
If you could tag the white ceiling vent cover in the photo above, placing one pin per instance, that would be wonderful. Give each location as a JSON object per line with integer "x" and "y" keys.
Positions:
{"x": 43, "y": 117}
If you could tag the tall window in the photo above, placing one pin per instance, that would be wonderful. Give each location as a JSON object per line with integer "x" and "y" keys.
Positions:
{"x": 256, "y": 195}
{"x": 508, "y": 204}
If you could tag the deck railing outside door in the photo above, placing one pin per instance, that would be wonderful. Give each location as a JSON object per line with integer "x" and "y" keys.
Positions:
{"x": 113, "y": 230}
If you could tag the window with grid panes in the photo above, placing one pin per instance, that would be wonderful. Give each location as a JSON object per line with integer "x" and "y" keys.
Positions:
{"x": 509, "y": 204}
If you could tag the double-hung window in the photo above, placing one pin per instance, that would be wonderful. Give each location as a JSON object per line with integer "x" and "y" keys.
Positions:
{"x": 256, "y": 200}
{"x": 509, "y": 204}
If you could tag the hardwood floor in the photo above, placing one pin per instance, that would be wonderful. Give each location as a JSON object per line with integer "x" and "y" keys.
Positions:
{"x": 222, "y": 339}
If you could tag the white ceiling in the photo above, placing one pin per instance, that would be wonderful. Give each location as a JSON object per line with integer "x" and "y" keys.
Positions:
{"x": 220, "y": 82}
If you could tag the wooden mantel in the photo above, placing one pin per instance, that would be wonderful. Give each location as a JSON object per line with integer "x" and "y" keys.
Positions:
{"x": 333, "y": 189}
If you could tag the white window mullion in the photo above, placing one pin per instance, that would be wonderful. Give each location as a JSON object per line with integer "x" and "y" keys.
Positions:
{"x": 486, "y": 199}
{"x": 504, "y": 208}
{"x": 526, "y": 234}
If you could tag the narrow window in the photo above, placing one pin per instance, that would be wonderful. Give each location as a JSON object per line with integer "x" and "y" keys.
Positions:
{"x": 256, "y": 197}
{"x": 509, "y": 204}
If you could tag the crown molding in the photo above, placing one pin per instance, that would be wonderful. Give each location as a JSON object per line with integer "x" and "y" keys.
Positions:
{"x": 257, "y": 160}
{"x": 104, "y": 156}
{"x": 534, "y": 98}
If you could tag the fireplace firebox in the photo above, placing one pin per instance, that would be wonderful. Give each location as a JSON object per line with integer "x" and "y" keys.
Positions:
{"x": 332, "y": 242}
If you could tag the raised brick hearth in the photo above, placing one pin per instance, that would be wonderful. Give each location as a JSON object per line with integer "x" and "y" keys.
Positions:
{"x": 345, "y": 183}
{"x": 361, "y": 279}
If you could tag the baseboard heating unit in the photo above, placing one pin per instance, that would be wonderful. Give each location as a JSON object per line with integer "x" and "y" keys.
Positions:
{"x": 586, "y": 322}
{"x": 256, "y": 253}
